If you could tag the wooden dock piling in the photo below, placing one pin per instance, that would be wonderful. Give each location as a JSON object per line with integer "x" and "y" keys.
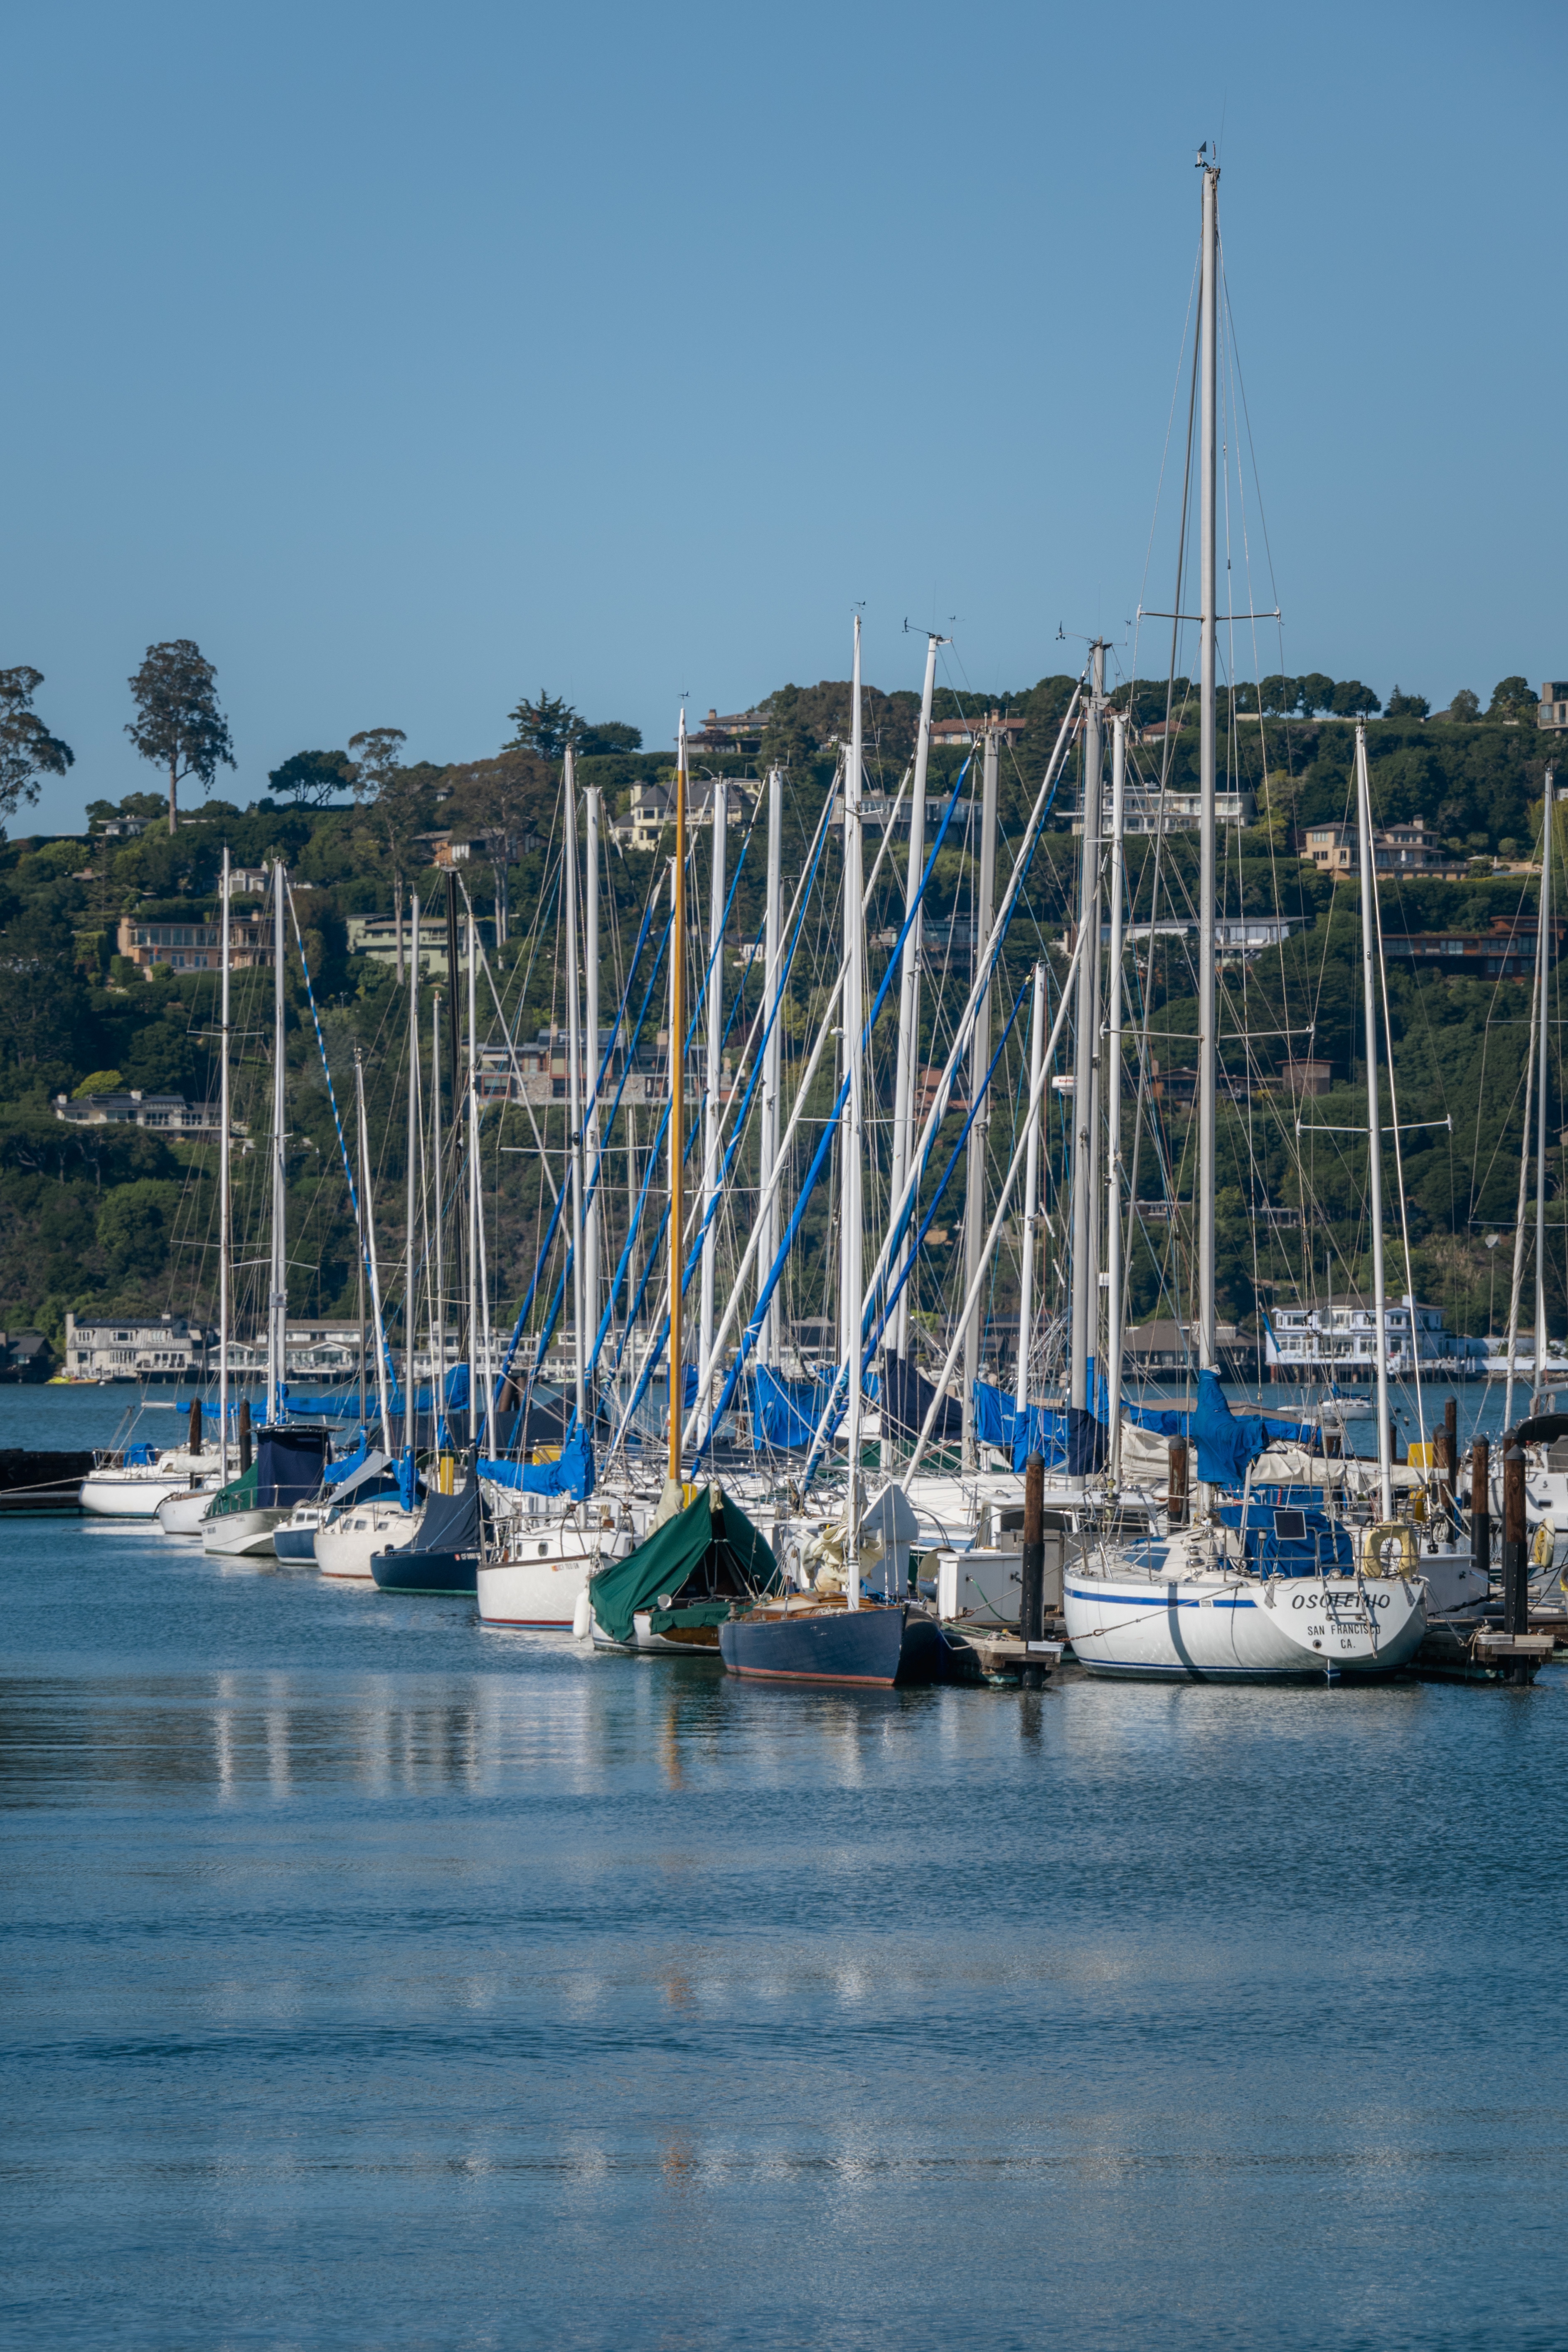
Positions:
{"x": 1480, "y": 1507}
{"x": 1031, "y": 1568}
{"x": 1176, "y": 1484}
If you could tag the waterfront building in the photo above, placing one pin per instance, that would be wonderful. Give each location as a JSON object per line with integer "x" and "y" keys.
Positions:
{"x": 131, "y": 1348}
{"x": 1337, "y": 1341}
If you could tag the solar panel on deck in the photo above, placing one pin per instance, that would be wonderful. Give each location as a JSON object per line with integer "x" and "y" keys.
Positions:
{"x": 1290, "y": 1526}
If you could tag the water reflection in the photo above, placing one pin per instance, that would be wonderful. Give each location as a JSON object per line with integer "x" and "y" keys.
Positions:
{"x": 234, "y": 1735}
{"x": 427, "y": 1987}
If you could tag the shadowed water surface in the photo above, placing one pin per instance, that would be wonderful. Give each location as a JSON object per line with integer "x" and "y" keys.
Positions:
{"x": 370, "y": 1980}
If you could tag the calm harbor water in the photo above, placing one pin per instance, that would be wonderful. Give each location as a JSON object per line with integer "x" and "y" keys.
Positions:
{"x": 373, "y": 1981}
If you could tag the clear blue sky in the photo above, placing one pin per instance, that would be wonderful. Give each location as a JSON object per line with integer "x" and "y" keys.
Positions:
{"x": 411, "y": 357}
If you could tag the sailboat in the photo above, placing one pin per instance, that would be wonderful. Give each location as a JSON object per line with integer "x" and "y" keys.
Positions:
{"x": 852, "y": 1636}
{"x": 1271, "y": 1588}
{"x": 555, "y": 1532}
{"x": 139, "y": 1480}
{"x": 239, "y": 1520}
{"x": 372, "y": 1513}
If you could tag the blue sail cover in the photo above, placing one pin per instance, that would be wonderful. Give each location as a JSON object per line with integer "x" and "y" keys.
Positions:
{"x": 1227, "y": 1442}
{"x": 785, "y": 1413}
{"x": 573, "y": 1474}
{"x": 288, "y": 1467}
{"x": 342, "y": 1404}
{"x": 1324, "y": 1546}
{"x": 908, "y": 1401}
{"x": 1079, "y": 1443}
{"x": 1074, "y": 1441}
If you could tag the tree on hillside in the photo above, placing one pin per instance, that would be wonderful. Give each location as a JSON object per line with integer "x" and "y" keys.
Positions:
{"x": 312, "y": 779}
{"x": 606, "y": 736}
{"x": 178, "y": 724}
{"x": 27, "y": 749}
{"x": 1314, "y": 693}
{"x": 1464, "y": 708}
{"x": 1408, "y": 706}
{"x": 1514, "y": 698}
{"x": 393, "y": 801}
{"x": 507, "y": 802}
{"x": 1353, "y": 700}
{"x": 546, "y": 725}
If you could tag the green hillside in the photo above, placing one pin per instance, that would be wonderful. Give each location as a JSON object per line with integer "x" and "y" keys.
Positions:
{"x": 117, "y": 1217}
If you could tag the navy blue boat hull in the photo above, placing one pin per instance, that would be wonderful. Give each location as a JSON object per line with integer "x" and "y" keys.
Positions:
{"x": 873, "y": 1648}
{"x": 425, "y": 1572}
{"x": 294, "y": 1543}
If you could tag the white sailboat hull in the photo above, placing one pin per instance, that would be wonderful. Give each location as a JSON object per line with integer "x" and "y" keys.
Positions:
{"x": 136, "y": 1492}
{"x": 1225, "y": 1627}
{"x": 121, "y": 1495}
{"x": 345, "y": 1546}
{"x": 547, "y": 1569}
{"x": 182, "y": 1513}
{"x": 241, "y": 1534}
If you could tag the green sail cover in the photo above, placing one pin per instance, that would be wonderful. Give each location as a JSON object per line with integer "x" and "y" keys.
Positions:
{"x": 703, "y": 1557}
{"x": 239, "y": 1494}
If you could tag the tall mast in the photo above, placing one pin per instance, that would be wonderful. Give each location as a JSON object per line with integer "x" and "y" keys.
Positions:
{"x": 1031, "y": 1195}
{"x": 978, "y": 1060}
{"x": 852, "y": 1263}
{"x": 454, "y": 1061}
{"x": 677, "y": 1100}
{"x": 474, "y": 1325}
{"x": 410, "y": 1190}
{"x": 772, "y": 1063}
{"x": 438, "y": 1288}
{"x": 1208, "y": 1034}
{"x": 277, "y": 1288}
{"x": 1373, "y": 1119}
{"x": 720, "y": 809}
{"x": 367, "y": 1210}
{"x": 225, "y": 1221}
{"x": 1112, "y": 1092}
{"x": 593, "y": 801}
{"x": 1086, "y": 1051}
{"x": 910, "y": 982}
{"x": 574, "y": 1078}
{"x": 1543, "y": 959}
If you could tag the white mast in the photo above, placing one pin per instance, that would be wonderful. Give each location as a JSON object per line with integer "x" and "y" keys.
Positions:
{"x": 1208, "y": 1036}
{"x": 277, "y": 1289}
{"x": 591, "y": 798}
{"x": 1086, "y": 1052}
{"x": 410, "y": 1189}
{"x": 1031, "y": 1195}
{"x": 720, "y": 810}
{"x": 1112, "y": 1091}
{"x": 367, "y": 1212}
{"x": 1543, "y": 959}
{"x": 1373, "y": 1119}
{"x": 773, "y": 1063}
{"x": 574, "y": 1074}
{"x": 438, "y": 1290}
{"x": 674, "y": 1485}
{"x": 477, "y": 1355}
{"x": 910, "y": 991}
{"x": 1515, "y": 1278}
{"x": 225, "y": 1224}
{"x": 980, "y": 1126}
{"x": 852, "y": 1262}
